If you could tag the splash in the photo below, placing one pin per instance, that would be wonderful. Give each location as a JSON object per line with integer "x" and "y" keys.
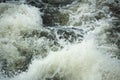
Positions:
{"x": 15, "y": 21}
{"x": 28, "y": 51}
{"x": 81, "y": 61}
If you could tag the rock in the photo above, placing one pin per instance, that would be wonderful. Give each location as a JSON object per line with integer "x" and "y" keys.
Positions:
{"x": 58, "y": 2}
{"x": 2, "y": 1}
{"x": 53, "y": 17}
{"x": 51, "y": 33}
{"x": 14, "y": 1}
{"x": 35, "y": 3}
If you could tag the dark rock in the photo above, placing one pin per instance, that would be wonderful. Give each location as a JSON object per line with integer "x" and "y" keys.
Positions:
{"x": 15, "y": 1}
{"x": 2, "y": 1}
{"x": 114, "y": 36}
{"x": 51, "y": 33}
{"x": 35, "y": 3}
{"x": 53, "y": 17}
{"x": 115, "y": 8}
{"x": 58, "y": 2}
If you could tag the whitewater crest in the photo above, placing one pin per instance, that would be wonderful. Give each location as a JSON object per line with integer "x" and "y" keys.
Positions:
{"x": 84, "y": 49}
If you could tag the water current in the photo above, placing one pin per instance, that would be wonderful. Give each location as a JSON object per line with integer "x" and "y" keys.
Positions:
{"x": 87, "y": 47}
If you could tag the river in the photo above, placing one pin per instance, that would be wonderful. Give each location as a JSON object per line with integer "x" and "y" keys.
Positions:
{"x": 86, "y": 47}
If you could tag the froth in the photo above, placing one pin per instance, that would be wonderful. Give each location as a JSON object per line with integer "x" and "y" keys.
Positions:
{"x": 80, "y": 62}
{"x": 15, "y": 19}
{"x": 89, "y": 60}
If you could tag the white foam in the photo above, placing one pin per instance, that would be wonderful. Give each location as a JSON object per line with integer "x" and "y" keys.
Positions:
{"x": 79, "y": 62}
{"x": 17, "y": 18}
{"x": 92, "y": 59}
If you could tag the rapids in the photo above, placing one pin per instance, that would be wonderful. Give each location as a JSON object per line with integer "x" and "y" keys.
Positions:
{"x": 87, "y": 47}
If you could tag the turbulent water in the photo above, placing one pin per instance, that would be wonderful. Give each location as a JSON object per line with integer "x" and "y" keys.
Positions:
{"x": 29, "y": 51}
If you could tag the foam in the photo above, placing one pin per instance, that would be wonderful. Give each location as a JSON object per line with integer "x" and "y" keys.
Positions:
{"x": 15, "y": 19}
{"x": 92, "y": 59}
{"x": 79, "y": 62}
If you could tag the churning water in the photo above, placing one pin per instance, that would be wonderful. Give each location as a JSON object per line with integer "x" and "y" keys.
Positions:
{"x": 86, "y": 48}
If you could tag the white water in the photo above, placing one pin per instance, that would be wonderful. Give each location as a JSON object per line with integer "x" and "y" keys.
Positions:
{"x": 92, "y": 59}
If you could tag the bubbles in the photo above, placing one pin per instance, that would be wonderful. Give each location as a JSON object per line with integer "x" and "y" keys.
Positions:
{"x": 81, "y": 61}
{"x": 28, "y": 51}
{"x": 15, "y": 20}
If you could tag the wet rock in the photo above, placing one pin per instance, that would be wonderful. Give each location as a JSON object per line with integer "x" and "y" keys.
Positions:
{"x": 2, "y": 1}
{"x": 115, "y": 9}
{"x": 58, "y": 2}
{"x": 35, "y": 3}
{"x": 68, "y": 35}
{"x": 51, "y": 33}
{"x": 14, "y": 1}
{"x": 115, "y": 32}
{"x": 53, "y": 17}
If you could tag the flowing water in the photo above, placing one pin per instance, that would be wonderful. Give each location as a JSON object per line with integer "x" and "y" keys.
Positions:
{"x": 86, "y": 48}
